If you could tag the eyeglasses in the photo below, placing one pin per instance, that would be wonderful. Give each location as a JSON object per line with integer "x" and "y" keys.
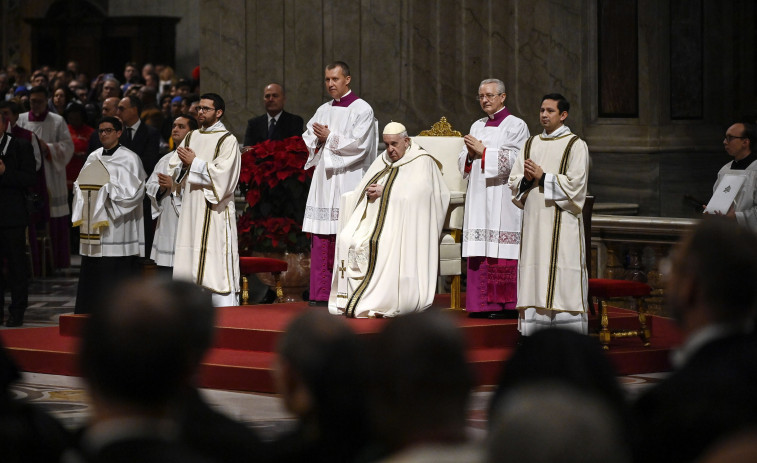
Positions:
{"x": 106, "y": 131}
{"x": 203, "y": 109}
{"x": 488, "y": 96}
{"x": 730, "y": 138}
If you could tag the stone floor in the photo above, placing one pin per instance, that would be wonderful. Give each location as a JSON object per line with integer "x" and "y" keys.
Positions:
{"x": 66, "y": 398}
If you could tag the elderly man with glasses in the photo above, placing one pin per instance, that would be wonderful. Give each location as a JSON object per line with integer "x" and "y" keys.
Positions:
{"x": 491, "y": 231}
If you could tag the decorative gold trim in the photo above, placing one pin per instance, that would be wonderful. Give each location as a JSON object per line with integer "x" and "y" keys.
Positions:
{"x": 441, "y": 129}
{"x": 373, "y": 245}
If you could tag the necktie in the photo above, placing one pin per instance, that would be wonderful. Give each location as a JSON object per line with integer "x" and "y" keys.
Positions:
{"x": 128, "y": 133}
{"x": 271, "y": 127}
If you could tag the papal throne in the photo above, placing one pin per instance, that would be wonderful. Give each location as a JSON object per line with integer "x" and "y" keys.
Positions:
{"x": 445, "y": 144}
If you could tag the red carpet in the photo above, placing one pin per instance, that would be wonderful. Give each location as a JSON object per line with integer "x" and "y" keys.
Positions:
{"x": 246, "y": 338}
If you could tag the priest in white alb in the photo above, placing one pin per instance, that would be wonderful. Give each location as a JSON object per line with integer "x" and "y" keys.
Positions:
{"x": 342, "y": 141}
{"x": 208, "y": 162}
{"x": 107, "y": 207}
{"x": 491, "y": 230}
{"x": 165, "y": 200}
{"x": 387, "y": 249}
{"x": 549, "y": 182}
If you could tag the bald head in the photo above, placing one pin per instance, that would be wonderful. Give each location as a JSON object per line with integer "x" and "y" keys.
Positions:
{"x": 274, "y": 98}
{"x": 110, "y": 106}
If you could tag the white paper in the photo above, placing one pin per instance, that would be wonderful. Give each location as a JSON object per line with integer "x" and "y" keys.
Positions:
{"x": 724, "y": 194}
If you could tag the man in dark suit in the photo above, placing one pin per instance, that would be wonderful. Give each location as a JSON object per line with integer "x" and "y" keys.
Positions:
{"x": 143, "y": 140}
{"x": 276, "y": 124}
{"x": 17, "y": 175}
{"x": 711, "y": 292}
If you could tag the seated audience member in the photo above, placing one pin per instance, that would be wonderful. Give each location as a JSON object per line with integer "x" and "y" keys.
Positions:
{"x": 420, "y": 387}
{"x": 711, "y": 293}
{"x": 139, "y": 356}
{"x": 320, "y": 374}
{"x": 387, "y": 247}
{"x": 553, "y": 355}
{"x": 739, "y": 448}
{"x": 549, "y": 422}
{"x": 27, "y": 433}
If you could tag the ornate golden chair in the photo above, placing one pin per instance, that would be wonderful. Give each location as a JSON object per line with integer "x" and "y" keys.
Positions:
{"x": 445, "y": 144}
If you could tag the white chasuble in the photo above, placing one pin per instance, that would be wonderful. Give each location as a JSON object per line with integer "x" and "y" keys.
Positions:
{"x": 492, "y": 223}
{"x": 340, "y": 162}
{"x": 166, "y": 213}
{"x": 552, "y": 266}
{"x": 387, "y": 249}
{"x": 206, "y": 238}
{"x": 745, "y": 203}
{"x": 117, "y": 209}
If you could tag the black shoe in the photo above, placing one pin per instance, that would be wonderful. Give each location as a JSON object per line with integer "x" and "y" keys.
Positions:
{"x": 318, "y": 303}
{"x": 498, "y": 315}
{"x": 13, "y": 322}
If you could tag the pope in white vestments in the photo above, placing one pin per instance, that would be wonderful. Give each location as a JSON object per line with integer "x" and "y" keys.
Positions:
{"x": 342, "y": 140}
{"x": 387, "y": 249}
{"x": 206, "y": 250}
{"x": 549, "y": 182}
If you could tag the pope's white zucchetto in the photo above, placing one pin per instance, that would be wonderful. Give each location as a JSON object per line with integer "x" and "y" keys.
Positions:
{"x": 394, "y": 128}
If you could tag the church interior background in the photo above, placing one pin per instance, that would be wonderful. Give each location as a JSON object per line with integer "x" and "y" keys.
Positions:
{"x": 653, "y": 84}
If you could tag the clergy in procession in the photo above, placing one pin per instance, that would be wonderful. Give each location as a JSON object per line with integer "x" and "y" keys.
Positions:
{"x": 342, "y": 140}
{"x": 57, "y": 149}
{"x": 208, "y": 163}
{"x": 738, "y": 143}
{"x": 107, "y": 207}
{"x": 549, "y": 182}
{"x": 491, "y": 229}
{"x": 165, "y": 199}
{"x": 387, "y": 249}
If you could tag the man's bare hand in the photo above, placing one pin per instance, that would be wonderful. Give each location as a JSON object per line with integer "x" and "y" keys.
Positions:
{"x": 532, "y": 170}
{"x": 45, "y": 148}
{"x": 374, "y": 191}
{"x": 475, "y": 147}
{"x": 165, "y": 181}
{"x": 187, "y": 155}
{"x": 321, "y": 131}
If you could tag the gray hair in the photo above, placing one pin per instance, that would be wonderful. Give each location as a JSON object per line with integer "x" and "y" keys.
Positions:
{"x": 500, "y": 84}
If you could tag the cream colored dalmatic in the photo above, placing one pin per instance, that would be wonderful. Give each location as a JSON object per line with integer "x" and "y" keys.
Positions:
{"x": 206, "y": 239}
{"x": 552, "y": 266}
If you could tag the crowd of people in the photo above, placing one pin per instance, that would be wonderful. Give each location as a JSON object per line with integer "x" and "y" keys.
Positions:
{"x": 154, "y": 176}
{"x": 404, "y": 394}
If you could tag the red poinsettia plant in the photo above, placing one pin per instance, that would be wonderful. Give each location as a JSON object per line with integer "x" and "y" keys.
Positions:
{"x": 276, "y": 186}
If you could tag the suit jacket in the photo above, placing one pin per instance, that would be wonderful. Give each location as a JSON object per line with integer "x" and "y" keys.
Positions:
{"x": 710, "y": 397}
{"x": 18, "y": 178}
{"x": 287, "y": 126}
{"x": 146, "y": 143}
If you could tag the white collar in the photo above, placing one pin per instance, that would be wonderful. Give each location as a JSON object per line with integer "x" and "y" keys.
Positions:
{"x": 214, "y": 128}
{"x": 699, "y": 339}
{"x": 276, "y": 117}
{"x": 559, "y": 132}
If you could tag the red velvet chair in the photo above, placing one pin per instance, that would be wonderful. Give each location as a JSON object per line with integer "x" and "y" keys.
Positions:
{"x": 248, "y": 265}
{"x": 602, "y": 289}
